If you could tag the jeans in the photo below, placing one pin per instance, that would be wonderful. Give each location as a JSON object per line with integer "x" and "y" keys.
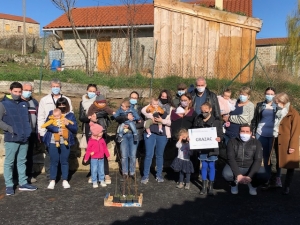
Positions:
{"x": 157, "y": 143}
{"x": 97, "y": 168}
{"x": 130, "y": 124}
{"x": 14, "y": 151}
{"x": 267, "y": 144}
{"x": 57, "y": 155}
{"x": 128, "y": 149}
{"x": 32, "y": 142}
{"x": 259, "y": 178}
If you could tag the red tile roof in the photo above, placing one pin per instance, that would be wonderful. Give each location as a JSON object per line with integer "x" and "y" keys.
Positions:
{"x": 235, "y": 6}
{"x": 107, "y": 16}
{"x": 17, "y": 18}
{"x": 270, "y": 41}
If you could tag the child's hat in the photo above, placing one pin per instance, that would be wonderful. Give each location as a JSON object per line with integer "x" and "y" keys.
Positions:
{"x": 180, "y": 110}
{"x": 95, "y": 128}
{"x": 100, "y": 99}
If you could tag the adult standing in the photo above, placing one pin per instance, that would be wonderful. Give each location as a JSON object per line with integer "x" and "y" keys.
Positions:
{"x": 243, "y": 114}
{"x": 47, "y": 104}
{"x": 128, "y": 147}
{"x": 60, "y": 154}
{"x": 244, "y": 155}
{"x": 263, "y": 125}
{"x": 181, "y": 89}
{"x": 202, "y": 94}
{"x": 33, "y": 140}
{"x": 286, "y": 138}
{"x": 157, "y": 141}
{"x": 14, "y": 121}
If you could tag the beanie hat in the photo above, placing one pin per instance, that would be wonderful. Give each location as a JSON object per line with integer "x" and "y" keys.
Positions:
{"x": 100, "y": 99}
{"x": 95, "y": 128}
{"x": 180, "y": 110}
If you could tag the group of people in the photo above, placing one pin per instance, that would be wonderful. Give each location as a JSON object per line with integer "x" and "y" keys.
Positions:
{"x": 266, "y": 133}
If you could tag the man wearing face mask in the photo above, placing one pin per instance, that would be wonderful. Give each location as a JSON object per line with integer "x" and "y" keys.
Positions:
{"x": 202, "y": 94}
{"x": 14, "y": 121}
{"x": 244, "y": 155}
{"x": 181, "y": 89}
{"x": 33, "y": 139}
{"x": 47, "y": 104}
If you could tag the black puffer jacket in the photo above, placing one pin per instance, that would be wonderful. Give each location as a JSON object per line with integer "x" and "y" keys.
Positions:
{"x": 211, "y": 122}
{"x": 245, "y": 155}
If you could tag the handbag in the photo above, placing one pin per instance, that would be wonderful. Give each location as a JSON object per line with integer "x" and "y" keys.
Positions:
{"x": 83, "y": 142}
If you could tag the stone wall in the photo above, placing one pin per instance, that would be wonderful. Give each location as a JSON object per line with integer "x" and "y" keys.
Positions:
{"x": 16, "y": 28}
{"x": 267, "y": 56}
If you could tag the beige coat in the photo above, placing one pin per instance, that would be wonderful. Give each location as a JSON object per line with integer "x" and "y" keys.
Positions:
{"x": 288, "y": 137}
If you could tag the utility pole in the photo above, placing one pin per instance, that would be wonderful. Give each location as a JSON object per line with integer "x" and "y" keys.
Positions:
{"x": 24, "y": 28}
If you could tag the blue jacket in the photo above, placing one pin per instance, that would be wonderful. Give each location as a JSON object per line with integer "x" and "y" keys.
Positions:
{"x": 121, "y": 112}
{"x": 16, "y": 115}
{"x": 53, "y": 129}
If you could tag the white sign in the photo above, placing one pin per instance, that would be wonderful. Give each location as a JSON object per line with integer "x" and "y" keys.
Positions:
{"x": 203, "y": 138}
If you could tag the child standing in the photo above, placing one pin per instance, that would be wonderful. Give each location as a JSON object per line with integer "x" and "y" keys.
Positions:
{"x": 182, "y": 163}
{"x": 125, "y": 109}
{"x": 156, "y": 111}
{"x": 208, "y": 156}
{"x": 96, "y": 149}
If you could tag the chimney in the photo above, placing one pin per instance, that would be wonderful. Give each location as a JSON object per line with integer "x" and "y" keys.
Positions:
{"x": 219, "y": 4}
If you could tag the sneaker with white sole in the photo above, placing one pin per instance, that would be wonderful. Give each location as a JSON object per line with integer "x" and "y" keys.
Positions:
{"x": 107, "y": 179}
{"x": 95, "y": 185}
{"x": 278, "y": 182}
{"x": 234, "y": 190}
{"x": 66, "y": 184}
{"x": 90, "y": 180}
{"x": 103, "y": 184}
{"x": 27, "y": 187}
{"x": 51, "y": 184}
{"x": 144, "y": 180}
{"x": 252, "y": 190}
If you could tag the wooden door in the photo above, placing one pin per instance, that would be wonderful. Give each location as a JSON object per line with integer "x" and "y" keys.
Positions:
{"x": 104, "y": 54}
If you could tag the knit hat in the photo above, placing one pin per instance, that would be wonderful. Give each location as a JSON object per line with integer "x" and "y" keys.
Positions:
{"x": 180, "y": 110}
{"x": 100, "y": 99}
{"x": 95, "y": 128}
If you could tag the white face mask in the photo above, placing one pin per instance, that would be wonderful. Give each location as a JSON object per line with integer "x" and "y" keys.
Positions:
{"x": 245, "y": 137}
{"x": 200, "y": 89}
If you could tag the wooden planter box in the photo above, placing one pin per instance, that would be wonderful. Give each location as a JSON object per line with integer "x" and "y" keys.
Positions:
{"x": 109, "y": 201}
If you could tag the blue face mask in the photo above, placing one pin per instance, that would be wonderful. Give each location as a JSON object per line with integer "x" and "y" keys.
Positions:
{"x": 133, "y": 101}
{"x": 243, "y": 98}
{"x": 26, "y": 94}
{"x": 91, "y": 94}
{"x": 180, "y": 93}
{"x": 269, "y": 98}
{"x": 55, "y": 90}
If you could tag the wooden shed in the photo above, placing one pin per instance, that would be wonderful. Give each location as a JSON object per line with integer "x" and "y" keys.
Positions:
{"x": 193, "y": 41}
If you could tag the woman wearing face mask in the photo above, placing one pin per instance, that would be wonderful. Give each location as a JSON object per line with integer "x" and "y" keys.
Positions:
{"x": 243, "y": 114}
{"x": 127, "y": 149}
{"x": 157, "y": 140}
{"x": 263, "y": 124}
{"x": 208, "y": 156}
{"x": 60, "y": 154}
{"x": 286, "y": 138}
{"x": 181, "y": 89}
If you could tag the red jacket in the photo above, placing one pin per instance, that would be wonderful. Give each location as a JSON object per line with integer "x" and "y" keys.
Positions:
{"x": 98, "y": 147}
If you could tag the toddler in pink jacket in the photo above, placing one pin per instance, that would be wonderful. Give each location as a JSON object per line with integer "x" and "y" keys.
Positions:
{"x": 96, "y": 149}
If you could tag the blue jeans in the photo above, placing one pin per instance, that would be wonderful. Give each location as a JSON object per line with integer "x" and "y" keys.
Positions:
{"x": 130, "y": 124}
{"x": 97, "y": 168}
{"x": 157, "y": 143}
{"x": 267, "y": 144}
{"x": 14, "y": 151}
{"x": 57, "y": 155}
{"x": 128, "y": 149}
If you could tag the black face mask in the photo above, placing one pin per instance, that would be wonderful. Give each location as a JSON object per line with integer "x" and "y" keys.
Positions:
{"x": 163, "y": 101}
{"x": 184, "y": 140}
{"x": 205, "y": 114}
{"x": 62, "y": 109}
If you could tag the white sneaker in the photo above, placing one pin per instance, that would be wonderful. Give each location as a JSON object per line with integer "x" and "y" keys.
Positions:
{"x": 252, "y": 190}
{"x": 95, "y": 185}
{"x": 66, "y": 184}
{"x": 234, "y": 190}
{"x": 51, "y": 184}
{"x": 90, "y": 180}
{"x": 103, "y": 184}
{"x": 107, "y": 179}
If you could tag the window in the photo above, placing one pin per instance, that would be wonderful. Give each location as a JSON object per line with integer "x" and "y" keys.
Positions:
{"x": 30, "y": 30}
{"x": 19, "y": 29}
{"x": 7, "y": 27}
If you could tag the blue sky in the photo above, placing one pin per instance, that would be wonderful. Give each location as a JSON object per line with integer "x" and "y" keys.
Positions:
{"x": 272, "y": 12}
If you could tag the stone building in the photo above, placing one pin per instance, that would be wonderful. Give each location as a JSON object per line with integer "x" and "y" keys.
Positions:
{"x": 11, "y": 25}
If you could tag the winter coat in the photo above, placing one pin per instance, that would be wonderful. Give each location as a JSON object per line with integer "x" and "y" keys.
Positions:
{"x": 288, "y": 137}
{"x": 260, "y": 107}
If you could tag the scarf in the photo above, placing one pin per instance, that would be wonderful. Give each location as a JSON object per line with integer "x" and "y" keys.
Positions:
{"x": 87, "y": 102}
{"x": 280, "y": 114}
{"x": 166, "y": 107}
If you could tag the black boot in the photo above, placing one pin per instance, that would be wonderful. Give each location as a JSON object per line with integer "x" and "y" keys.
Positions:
{"x": 288, "y": 180}
{"x": 211, "y": 188}
{"x": 204, "y": 188}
